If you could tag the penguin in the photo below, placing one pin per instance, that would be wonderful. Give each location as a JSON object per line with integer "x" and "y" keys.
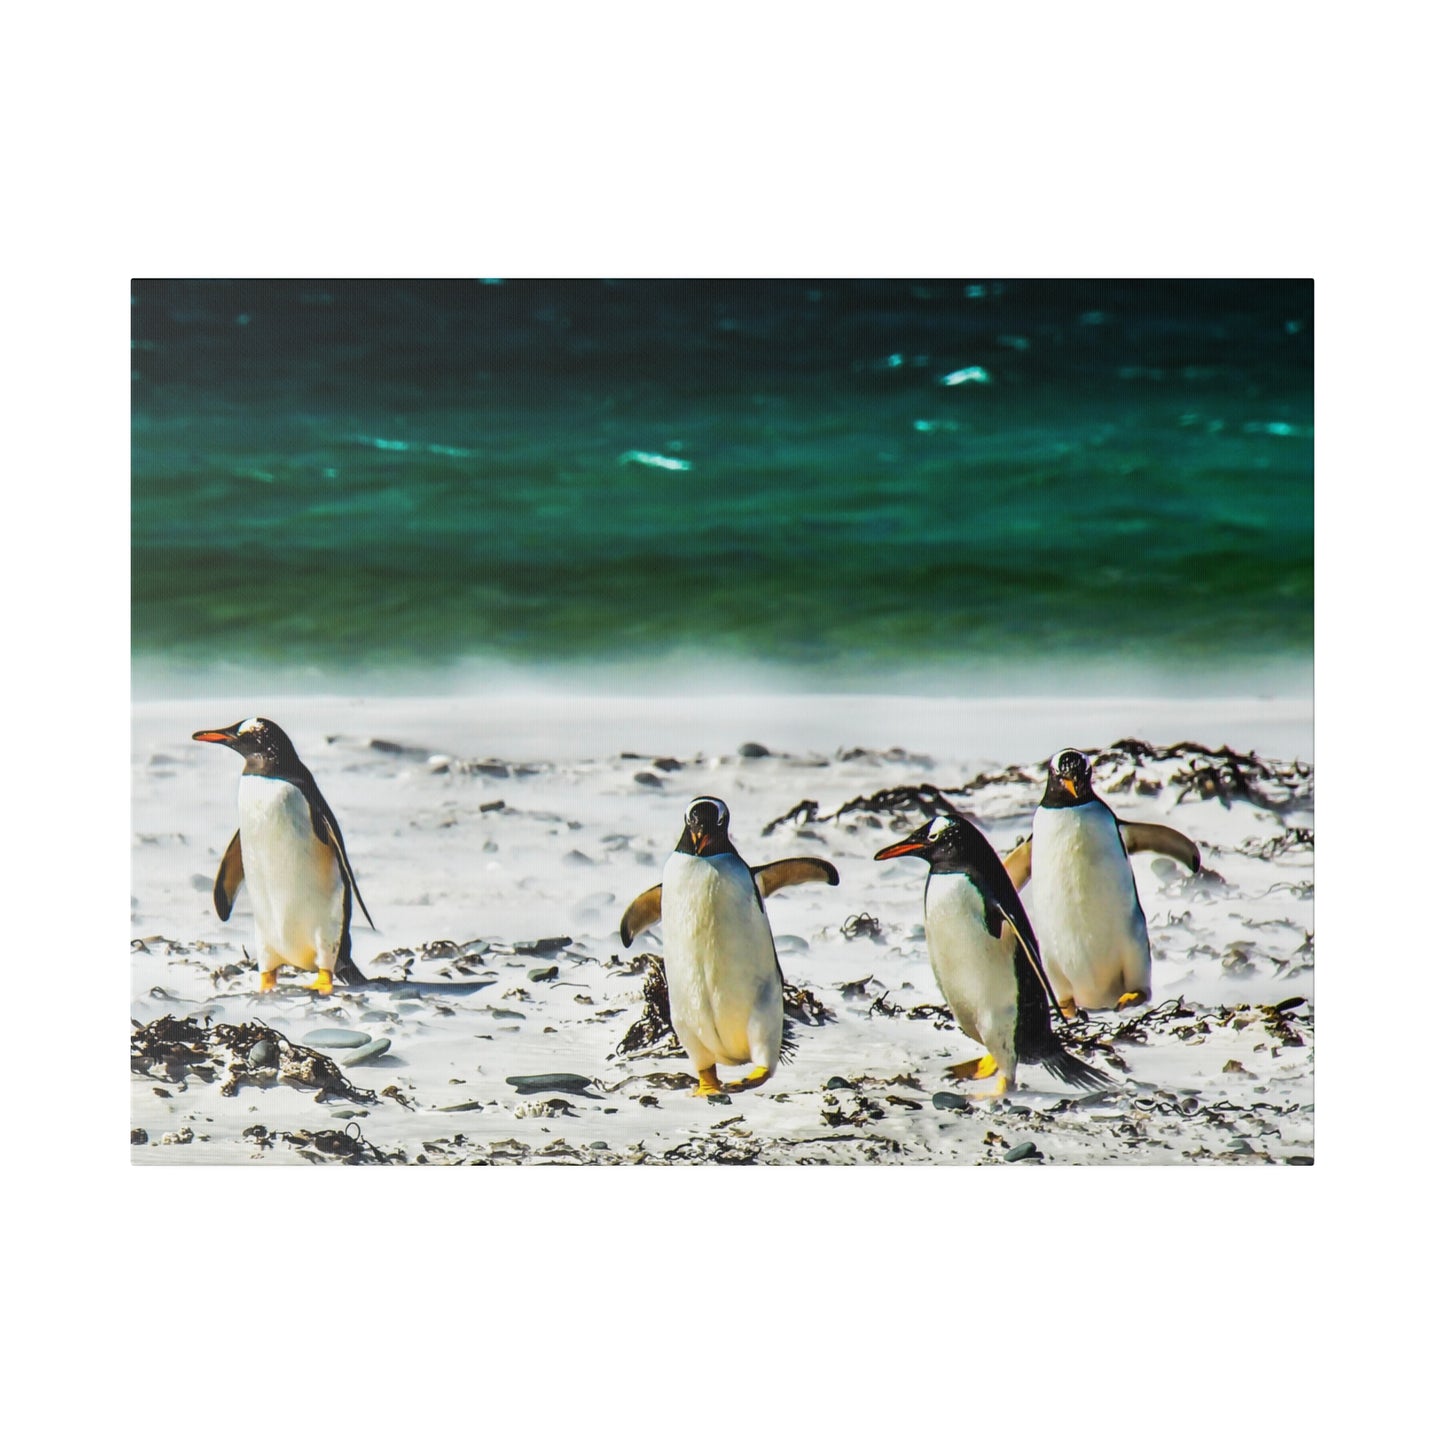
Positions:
{"x": 290, "y": 852}
{"x": 986, "y": 958}
{"x": 724, "y": 983}
{"x": 1091, "y": 926}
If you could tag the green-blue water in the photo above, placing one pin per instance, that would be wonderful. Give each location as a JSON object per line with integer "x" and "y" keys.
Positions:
{"x": 367, "y": 476}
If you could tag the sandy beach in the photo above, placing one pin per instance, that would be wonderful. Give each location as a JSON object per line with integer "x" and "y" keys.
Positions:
{"x": 498, "y": 841}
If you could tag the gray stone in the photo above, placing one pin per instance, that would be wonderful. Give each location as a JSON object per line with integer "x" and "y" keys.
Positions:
{"x": 335, "y": 1039}
{"x": 139, "y": 1136}
{"x": 263, "y": 1055}
{"x": 541, "y": 1083}
{"x": 753, "y": 750}
{"x": 1026, "y": 1150}
{"x": 373, "y": 1050}
{"x": 956, "y": 1102}
{"x": 542, "y": 975}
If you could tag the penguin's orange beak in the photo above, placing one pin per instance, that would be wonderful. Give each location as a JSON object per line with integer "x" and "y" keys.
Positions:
{"x": 915, "y": 842}
{"x": 214, "y": 735}
{"x": 1071, "y": 785}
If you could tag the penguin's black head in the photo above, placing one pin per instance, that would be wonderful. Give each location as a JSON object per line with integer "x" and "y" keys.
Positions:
{"x": 263, "y": 744}
{"x": 705, "y": 830}
{"x": 947, "y": 843}
{"x": 1070, "y": 780}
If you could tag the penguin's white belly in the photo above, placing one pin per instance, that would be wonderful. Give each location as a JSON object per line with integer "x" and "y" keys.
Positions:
{"x": 296, "y": 890}
{"x": 1084, "y": 906}
{"x": 722, "y": 973}
{"x": 974, "y": 970}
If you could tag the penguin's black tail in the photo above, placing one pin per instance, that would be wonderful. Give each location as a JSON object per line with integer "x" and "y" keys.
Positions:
{"x": 1074, "y": 1072}
{"x": 346, "y": 970}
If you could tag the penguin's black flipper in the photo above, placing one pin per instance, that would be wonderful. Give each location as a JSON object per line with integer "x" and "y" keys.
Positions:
{"x": 323, "y": 821}
{"x": 788, "y": 871}
{"x": 1156, "y": 838}
{"x": 1019, "y": 865}
{"x": 228, "y": 878}
{"x": 642, "y": 913}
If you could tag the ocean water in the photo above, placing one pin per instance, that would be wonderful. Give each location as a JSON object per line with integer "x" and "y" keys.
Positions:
{"x": 845, "y": 484}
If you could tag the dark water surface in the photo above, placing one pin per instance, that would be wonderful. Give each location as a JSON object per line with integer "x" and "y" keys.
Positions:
{"x": 847, "y": 481}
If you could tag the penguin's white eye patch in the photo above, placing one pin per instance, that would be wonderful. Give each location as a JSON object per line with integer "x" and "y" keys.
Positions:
{"x": 251, "y": 725}
{"x": 938, "y": 827}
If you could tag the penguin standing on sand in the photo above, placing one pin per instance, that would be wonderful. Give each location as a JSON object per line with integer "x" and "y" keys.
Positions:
{"x": 724, "y": 984}
{"x": 985, "y": 957}
{"x": 290, "y": 852}
{"x": 1091, "y": 926}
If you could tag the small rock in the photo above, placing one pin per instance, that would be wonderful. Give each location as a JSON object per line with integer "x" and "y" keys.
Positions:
{"x": 666, "y": 765}
{"x": 542, "y": 975}
{"x": 1026, "y": 1150}
{"x": 643, "y": 780}
{"x": 791, "y": 943}
{"x": 139, "y": 1136}
{"x": 837, "y": 1082}
{"x": 264, "y": 1054}
{"x": 958, "y": 1102}
{"x": 753, "y": 750}
{"x": 541, "y": 1083}
{"x": 334, "y": 1039}
{"x": 373, "y": 1050}
{"x": 600, "y": 1145}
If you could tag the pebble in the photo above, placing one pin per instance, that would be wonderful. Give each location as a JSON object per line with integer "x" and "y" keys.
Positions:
{"x": 753, "y": 750}
{"x": 263, "y": 1054}
{"x": 644, "y": 780}
{"x": 349, "y": 1113}
{"x": 372, "y": 1050}
{"x": 542, "y": 975}
{"x": 837, "y": 1082}
{"x": 600, "y": 1145}
{"x": 465, "y": 1107}
{"x": 1026, "y": 1150}
{"x": 791, "y": 943}
{"x": 139, "y": 1136}
{"x": 540, "y": 1083}
{"x": 334, "y": 1039}
{"x": 944, "y": 1100}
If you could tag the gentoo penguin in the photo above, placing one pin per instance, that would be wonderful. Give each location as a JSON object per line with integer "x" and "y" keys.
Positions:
{"x": 1091, "y": 928}
{"x": 724, "y": 985}
{"x": 290, "y": 852}
{"x": 985, "y": 957}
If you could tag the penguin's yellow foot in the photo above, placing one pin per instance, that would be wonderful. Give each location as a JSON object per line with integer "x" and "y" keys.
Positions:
{"x": 707, "y": 1083}
{"x": 268, "y": 979}
{"x": 323, "y": 981}
{"x": 758, "y": 1076}
{"x": 984, "y": 1068}
{"x": 1133, "y": 997}
{"x": 1068, "y": 1007}
{"x": 1005, "y": 1083}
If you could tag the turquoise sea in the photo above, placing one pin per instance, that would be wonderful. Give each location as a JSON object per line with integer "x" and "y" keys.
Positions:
{"x": 846, "y": 484}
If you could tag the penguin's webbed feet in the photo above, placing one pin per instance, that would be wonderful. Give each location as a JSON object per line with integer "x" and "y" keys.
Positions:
{"x": 707, "y": 1083}
{"x": 1127, "y": 1000}
{"x": 983, "y": 1068}
{"x": 268, "y": 979}
{"x": 1068, "y": 1008}
{"x": 323, "y": 981}
{"x": 760, "y": 1075}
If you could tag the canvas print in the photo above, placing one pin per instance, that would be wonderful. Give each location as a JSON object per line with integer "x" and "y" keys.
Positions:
{"x": 629, "y": 722}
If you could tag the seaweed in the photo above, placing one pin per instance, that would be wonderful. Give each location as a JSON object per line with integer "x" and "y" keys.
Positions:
{"x": 250, "y": 1053}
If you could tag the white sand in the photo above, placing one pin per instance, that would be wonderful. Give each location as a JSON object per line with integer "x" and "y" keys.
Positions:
{"x": 579, "y": 837}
